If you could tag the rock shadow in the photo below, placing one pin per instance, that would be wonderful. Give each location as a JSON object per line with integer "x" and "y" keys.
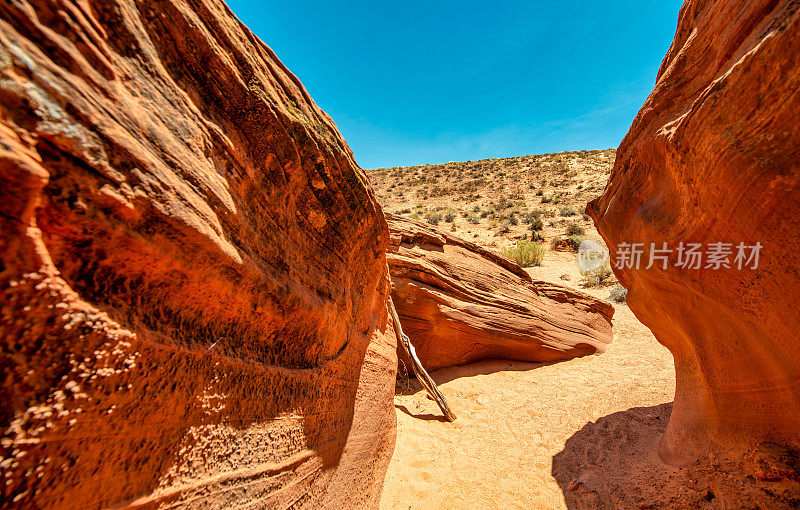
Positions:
{"x": 614, "y": 462}
{"x": 426, "y": 416}
{"x": 409, "y": 386}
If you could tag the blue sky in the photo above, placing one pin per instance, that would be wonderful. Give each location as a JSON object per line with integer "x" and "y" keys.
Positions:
{"x": 434, "y": 81}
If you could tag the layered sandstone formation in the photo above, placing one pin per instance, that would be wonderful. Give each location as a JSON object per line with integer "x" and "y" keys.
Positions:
{"x": 193, "y": 282}
{"x": 714, "y": 156}
{"x": 460, "y": 303}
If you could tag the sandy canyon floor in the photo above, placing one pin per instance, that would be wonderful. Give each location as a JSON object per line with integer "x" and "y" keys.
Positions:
{"x": 515, "y": 419}
{"x": 519, "y": 424}
{"x": 580, "y": 434}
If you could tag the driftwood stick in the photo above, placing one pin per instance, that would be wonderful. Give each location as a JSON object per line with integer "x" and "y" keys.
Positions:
{"x": 419, "y": 370}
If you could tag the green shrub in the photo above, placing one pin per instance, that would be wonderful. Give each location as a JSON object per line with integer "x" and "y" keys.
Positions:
{"x": 567, "y": 211}
{"x": 433, "y": 217}
{"x": 526, "y": 253}
{"x": 532, "y": 216}
{"x": 449, "y": 217}
{"x": 618, "y": 294}
{"x": 575, "y": 230}
{"x": 537, "y": 225}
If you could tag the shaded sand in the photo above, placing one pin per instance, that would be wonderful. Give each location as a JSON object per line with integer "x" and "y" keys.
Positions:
{"x": 513, "y": 418}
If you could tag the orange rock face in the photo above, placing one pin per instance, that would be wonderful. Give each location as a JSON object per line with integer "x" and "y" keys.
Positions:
{"x": 713, "y": 157}
{"x": 193, "y": 283}
{"x": 460, "y": 303}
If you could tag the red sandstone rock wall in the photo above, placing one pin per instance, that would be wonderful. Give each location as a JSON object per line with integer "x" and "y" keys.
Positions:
{"x": 193, "y": 283}
{"x": 714, "y": 156}
{"x": 460, "y": 303}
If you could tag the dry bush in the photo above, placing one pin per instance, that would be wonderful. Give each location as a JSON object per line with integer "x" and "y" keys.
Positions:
{"x": 598, "y": 277}
{"x": 618, "y": 294}
{"x": 526, "y": 253}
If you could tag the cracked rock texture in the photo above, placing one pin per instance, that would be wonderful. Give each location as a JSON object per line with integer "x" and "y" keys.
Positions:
{"x": 193, "y": 280}
{"x": 714, "y": 156}
{"x": 459, "y": 303}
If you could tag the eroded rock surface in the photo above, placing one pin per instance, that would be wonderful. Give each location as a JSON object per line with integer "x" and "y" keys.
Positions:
{"x": 460, "y": 303}
{"x": 714, "y": 156}
{"x": 193, "y": 281}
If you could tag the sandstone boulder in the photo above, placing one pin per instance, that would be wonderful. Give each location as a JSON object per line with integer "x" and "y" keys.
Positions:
{"x": 193, "y": 281}
{"x": 713, "y": 157}
{"x": 460, "y": 303}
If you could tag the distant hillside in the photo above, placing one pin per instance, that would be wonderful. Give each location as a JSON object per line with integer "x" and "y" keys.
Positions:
{"x": 493, "y": 201}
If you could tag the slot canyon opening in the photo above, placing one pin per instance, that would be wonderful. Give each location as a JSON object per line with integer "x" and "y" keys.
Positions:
{"x": 196, "y": 269}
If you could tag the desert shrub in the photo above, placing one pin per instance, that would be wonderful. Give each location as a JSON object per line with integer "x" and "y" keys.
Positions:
{"x": 546, "y": 200}
{"x": 618, "y": 294}
{"x": 504, "y": 204}
{"x": 539, "y": 192}
{"x": 532, "y": 216}
{"x": 433, "y": 217}
{"x": 569, "y": 242}
{"x": 575, "y": 230}
{"x": 404, "y": 211}
{"x": 598, "y": 276}
{"x": 567, "y": 211}
{"x": 449, "y": 217}
{"x": 537, "y": 225}
{"x": 526, "y": 253}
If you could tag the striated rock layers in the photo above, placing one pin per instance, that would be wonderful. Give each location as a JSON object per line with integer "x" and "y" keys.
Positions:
{"x": 460, "y": 303}
{"x": 714, "y": 156}
{"x": 193, "y": 282}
